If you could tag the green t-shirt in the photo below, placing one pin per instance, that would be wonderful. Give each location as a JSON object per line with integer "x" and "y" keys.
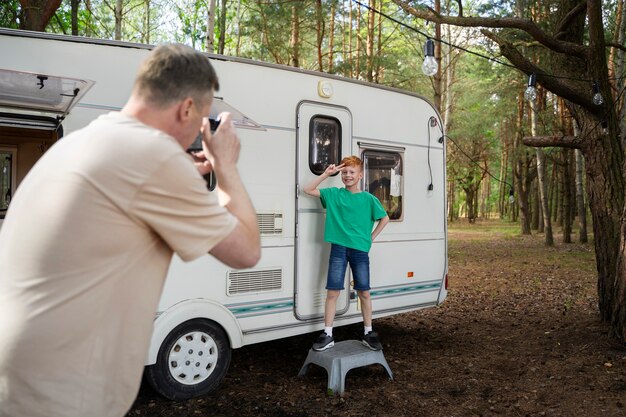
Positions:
{"x": 350, "y": 217}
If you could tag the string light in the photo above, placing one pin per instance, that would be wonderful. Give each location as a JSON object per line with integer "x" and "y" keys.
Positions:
{"x": 429, "y": 67}
{"x": 598, "y": 100}
{"x": 531, "y": 92}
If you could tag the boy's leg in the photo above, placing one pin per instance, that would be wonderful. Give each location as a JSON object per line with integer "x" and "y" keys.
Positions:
{"x": 330, "y": 307}
{"x": 366, "y": 307}
{"x": 360, "y": 265}
{"x": 337, "y": 264}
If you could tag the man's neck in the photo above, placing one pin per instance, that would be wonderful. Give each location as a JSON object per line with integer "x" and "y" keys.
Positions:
{"x": 161, "y": 119}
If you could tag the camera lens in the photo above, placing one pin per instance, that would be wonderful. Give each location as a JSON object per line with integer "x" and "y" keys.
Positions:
{"x": 214, "y": 123}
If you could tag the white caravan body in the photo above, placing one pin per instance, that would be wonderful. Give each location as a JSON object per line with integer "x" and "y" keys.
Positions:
{"x": 307, "y": 120}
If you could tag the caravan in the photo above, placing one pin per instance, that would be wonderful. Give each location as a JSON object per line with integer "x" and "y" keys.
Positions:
{"x": 292, "y": 123}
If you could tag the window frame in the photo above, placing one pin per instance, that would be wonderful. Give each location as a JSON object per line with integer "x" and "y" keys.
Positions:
{"x": 13, "y": 151}
{"x": 393, "y": 151}
{"x": 338, "y": 147}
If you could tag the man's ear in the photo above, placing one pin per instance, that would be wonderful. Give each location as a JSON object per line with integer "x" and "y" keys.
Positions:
{"x": 184, "y": 109}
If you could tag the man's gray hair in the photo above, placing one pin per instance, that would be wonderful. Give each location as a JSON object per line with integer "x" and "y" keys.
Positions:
{"x": 173, "y": 72}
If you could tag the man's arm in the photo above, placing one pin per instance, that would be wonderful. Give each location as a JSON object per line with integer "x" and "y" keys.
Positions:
{"x": 311, "y": 188}
{"x": 380, "y": 226}
{"x": 242, "y": 247}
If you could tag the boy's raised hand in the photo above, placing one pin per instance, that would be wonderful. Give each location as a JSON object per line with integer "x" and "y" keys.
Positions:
{"x": 332, "y": 169}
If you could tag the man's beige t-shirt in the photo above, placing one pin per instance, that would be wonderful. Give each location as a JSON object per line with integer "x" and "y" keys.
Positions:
{"x": 84, "y": 252}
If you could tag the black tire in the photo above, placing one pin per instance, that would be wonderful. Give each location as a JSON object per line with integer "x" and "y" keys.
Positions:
{"x": 193, "y": 359}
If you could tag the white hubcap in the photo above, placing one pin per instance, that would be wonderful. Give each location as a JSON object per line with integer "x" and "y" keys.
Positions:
{"x": 193, "y": 358}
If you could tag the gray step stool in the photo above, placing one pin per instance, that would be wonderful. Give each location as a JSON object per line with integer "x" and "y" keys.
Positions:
{"x": 341, "y": 358}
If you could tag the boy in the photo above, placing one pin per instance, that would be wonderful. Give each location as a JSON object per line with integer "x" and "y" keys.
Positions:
{"x": 350, "y": 217}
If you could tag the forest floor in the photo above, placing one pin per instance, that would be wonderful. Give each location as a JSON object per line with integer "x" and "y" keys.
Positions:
{"x": 519, "y": 335}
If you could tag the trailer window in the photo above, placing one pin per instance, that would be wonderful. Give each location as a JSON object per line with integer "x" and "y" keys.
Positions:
{"x": 7, "y": 178}
{"x": 324, "y": 143}
{"x": 383, "y": 178}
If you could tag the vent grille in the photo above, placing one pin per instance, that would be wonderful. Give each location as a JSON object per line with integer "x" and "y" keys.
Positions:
{"x": 270, "y": 224}
{"x": 254, "y": 281}
{"x": 319, "y": 300}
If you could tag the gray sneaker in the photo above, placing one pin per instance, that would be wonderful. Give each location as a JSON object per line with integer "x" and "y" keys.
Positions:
{"x": 371, "y": 341}
{"x": 323, "y": 342}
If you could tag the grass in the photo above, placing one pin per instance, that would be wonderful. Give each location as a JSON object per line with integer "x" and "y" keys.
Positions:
{"x": 485, "y": 228}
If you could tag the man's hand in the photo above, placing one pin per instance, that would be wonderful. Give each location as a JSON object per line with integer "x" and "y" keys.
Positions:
{"x": 202, "y": 164}
{"x": 221, "y": 148}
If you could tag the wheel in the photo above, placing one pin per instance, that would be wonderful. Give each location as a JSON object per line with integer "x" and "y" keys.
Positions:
{"x": 192, "y": 360}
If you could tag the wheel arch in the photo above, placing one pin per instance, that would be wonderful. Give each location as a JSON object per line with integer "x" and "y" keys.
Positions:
{"x": 189, "y": 310}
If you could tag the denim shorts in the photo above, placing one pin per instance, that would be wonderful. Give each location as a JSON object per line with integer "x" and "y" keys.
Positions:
{"x": 359, "y": 262}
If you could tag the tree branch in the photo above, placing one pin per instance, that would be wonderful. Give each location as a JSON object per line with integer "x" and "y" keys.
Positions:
{"x": 572, "y": 142}
{"x": 616, "y": 45}
{"x": 558, "y": 86}
{"x": 505, "y": 22}
{"x": 569, "y": 17}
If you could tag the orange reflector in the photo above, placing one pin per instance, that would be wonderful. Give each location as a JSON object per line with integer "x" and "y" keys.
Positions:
{"x": 409, "y": 274}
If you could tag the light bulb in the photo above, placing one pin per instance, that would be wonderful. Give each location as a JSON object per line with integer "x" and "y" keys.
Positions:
{"x": 598, "y": 100}
{"x": 429, "y": 67}
{"x": 531, "y": 92}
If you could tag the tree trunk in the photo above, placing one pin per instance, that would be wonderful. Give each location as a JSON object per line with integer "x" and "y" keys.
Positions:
{"x": 89, "y": 19}
{"x": 539, "y": 207}
{"x": 349, "y": 68}
{"x": 437, "y": 77}
{"x": 567, "y": 197}
{"x": 238, "y": 30}
{"x": 294, "y": 43}
{"x": 541, "y": 177}
{"x": 210, "y": 28}
{"x": 357, "y": 64}
{"x": 618, "y": 320}
{"x": 221, "y": 45}
{"x": 74, "y": 12}
{"x": 331, "y": 38}
{"x": 37, "y": 13}
{"x": 556, "y": 192}
{"x": 145, "y": 36}
{"x": 118, "y": 19}
{"x": 521, "y": 173}
{"x": 369, "y": 45}
{"x": 320, "y": 35}
{"x": 580, "y": 199}
{"x": 605, "y": 191}
{"x": 618, "y": 72}
{"x": 451, "y": 201}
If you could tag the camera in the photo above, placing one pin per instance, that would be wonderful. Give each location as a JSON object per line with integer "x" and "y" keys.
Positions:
{"x": 197, "y": 143}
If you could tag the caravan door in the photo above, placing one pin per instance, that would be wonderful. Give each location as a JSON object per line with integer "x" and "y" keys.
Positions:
{"x": 32, "y": 107}
{"x": 324, "y": 136}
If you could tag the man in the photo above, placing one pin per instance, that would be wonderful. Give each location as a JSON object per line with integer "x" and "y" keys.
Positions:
{"x": 89, "y": 236}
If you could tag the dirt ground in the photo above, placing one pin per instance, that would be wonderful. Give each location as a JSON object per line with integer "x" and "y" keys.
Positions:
{"x": 519, "y": 335}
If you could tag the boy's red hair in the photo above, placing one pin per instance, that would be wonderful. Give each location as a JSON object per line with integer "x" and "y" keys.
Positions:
{"x": 352, "y": 161}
